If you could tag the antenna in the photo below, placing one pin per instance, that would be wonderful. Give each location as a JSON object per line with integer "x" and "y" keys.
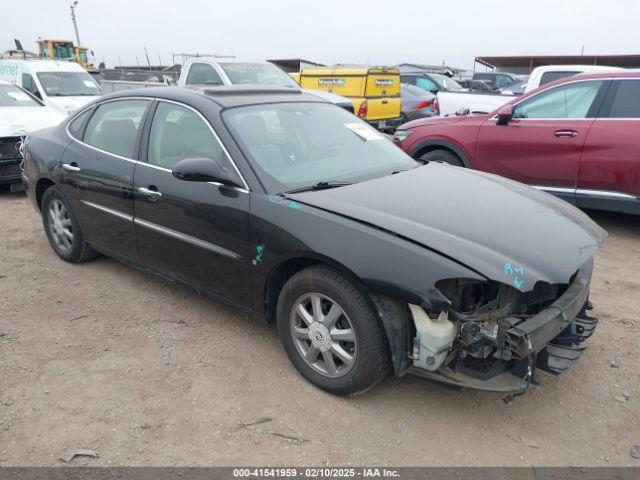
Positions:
{"x": 73, "y": 19}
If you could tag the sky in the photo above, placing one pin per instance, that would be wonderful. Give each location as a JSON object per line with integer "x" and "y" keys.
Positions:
{"x": 375, "y": 32}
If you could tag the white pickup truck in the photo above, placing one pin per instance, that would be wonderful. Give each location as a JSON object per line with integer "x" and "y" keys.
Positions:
{"x": 465, "y": 103}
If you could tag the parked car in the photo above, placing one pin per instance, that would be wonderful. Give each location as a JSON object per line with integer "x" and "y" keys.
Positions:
{"x": 476, "y": 86}
{"x": 497, "y": 80}
{"x": 431, "y": 82}
{"x": 416, "y": 103}
{"x": 575, "y": 137}
{"x": 308, "y": 218}
{"x": 464, "y": 103}
{"x": 374, "y": 91}
{"x": 20, "y": 113}
{"x": 65, "y": 86}
{"x": 516, "y": 88}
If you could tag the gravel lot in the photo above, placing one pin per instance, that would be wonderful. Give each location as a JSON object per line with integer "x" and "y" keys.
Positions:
{"x": 95, "y": 356}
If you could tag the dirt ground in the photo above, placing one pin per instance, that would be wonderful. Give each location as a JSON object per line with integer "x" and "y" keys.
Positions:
{"x": 94, "y": 356}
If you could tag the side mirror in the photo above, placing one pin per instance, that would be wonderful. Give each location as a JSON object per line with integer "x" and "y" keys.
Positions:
{"x": 204, "y": 170}
{"x": 505, "y": 114}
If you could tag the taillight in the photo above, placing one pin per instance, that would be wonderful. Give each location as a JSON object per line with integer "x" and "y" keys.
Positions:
{"x": 363, "y": 109}
{"x": 424, "y": 104}
{"x": 436, "y": 106}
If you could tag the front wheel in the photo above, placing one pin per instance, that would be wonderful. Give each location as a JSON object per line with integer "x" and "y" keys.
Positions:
{"x": 62, "y": 229}
{"x": 443, "y": 156}
{"x": 330, "y": 332}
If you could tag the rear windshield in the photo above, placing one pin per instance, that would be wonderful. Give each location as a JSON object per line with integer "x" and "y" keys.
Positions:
{"x": 548, "y": 77}
{"x": 11, "y": 96}
{"x": 448, "y": 83}
{"x": 68, "y": 84}
{"x": 257, "y": 74}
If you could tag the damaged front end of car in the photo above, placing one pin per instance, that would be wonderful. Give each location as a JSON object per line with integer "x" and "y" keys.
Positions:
{"x": 490, "y": 335}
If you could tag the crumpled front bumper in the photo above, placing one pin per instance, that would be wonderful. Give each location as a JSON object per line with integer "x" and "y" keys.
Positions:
{"x": 549, "y": 341}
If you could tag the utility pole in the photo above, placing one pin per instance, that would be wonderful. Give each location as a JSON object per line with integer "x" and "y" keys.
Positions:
{"x": 73, "y": 18}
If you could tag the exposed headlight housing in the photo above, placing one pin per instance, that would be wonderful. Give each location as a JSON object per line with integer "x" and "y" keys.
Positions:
{"x": 401, "y": 135}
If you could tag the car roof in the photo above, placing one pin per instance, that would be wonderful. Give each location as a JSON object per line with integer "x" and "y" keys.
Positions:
{"x": 227, "y": 96}
{"x": 39, "y": 65}
{"x": 607, "y": 74}
{"x": 582, "y": 68}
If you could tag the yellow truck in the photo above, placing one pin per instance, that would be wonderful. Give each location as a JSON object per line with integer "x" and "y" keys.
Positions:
{"x": 374, "y": 91}
{"x": 65, "y": 50}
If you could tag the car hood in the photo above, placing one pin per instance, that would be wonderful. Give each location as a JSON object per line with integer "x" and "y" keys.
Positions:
{"x": 329, "y": 97}
{"x": 15, "y": 121}
{"x": 69, "y": 105}
{"x": 424, "y": 122}
{"x": 502, "y": 229}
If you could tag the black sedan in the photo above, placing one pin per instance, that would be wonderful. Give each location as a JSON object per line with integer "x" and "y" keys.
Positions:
{"x": 301, "y": 214}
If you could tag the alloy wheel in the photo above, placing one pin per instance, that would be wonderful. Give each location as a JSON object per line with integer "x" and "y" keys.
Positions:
{"x": 323, "y": 335}
{"x": 60, "y": 226}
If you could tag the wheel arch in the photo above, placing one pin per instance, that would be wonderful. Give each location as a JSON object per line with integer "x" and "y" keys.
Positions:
{"x": 392, "y": 313}
{"x": 41, "y": 186}
{"x": 431, "y": 145}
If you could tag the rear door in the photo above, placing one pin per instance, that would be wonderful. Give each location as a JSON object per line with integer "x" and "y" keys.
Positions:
{"x": 197, "y": 232}
{"x": 542, "y": 144}
{"x": 383, "y": 94}
{"x": 97, "y": 172}
{"x": 610, "y": 165}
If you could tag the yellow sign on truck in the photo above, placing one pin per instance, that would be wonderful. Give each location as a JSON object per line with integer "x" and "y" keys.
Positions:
{"x": 374, "y": 91}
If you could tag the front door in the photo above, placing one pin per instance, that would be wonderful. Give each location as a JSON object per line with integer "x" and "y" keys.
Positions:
{"x": 542, "y": 144}
{"x": 197, "y": 232}
{"x": 97, "y": 173}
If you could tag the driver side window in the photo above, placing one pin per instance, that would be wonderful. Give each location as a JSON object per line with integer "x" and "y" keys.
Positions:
{"x": 178, "y": 133}
{"x": 566, "y": 101}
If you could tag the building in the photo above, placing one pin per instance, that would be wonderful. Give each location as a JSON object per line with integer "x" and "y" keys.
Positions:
{"x": 525, "y": 64}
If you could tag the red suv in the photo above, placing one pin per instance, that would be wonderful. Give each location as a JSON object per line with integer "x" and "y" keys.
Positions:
{"x": 578, "y": 138}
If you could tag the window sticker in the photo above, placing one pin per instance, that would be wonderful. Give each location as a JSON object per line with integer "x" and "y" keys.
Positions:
{"x": 89, "y": 84}
{"x": 363, "y": 131}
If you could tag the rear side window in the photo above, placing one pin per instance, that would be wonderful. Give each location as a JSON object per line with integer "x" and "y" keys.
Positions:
{"x": 203, "y": 74}
{"x": 426, "y": 84}
{"x": 114, "y": 126}
{"x": 566, "y": 101}
{"x": 626, "y": 103}
{"x": 77, "y": 124}
{"x": 549, "y": 77}
{"x": 178, "y": 133}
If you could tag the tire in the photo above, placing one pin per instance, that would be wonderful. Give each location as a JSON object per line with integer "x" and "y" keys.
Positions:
{"x": 442, "y": 156}
{"x": 68, "y": 242}
{"x": 369, "y": 352}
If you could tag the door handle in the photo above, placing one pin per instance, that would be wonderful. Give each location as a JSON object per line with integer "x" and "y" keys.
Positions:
{"x": 73, "y": 168}
{"x": 150, "y": 193}
{"x": 565, "y": 133}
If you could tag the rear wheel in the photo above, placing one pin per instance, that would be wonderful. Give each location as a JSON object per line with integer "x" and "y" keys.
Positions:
{"x": 331, "y": 333}
{"x": 443, "y": 156}
{"x": 62, "y": 229}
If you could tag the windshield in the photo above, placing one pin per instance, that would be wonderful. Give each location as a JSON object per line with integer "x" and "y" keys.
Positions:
{"x": 447, "y": 82}
{"x": 298, "y": 145}
{"x": 257, "y": 74}
{"x": 68, "y": 84}
{"x": 11, "y": 96}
